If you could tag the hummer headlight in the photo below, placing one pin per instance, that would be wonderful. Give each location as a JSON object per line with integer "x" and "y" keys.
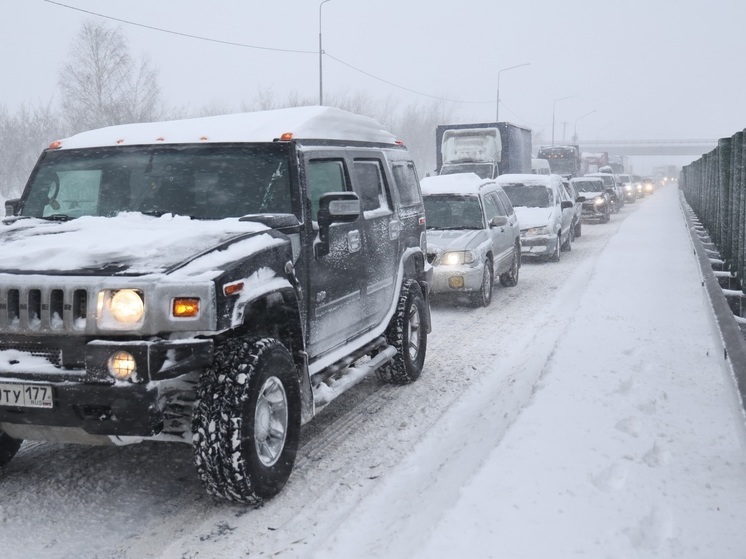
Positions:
{"x": 120, "y": 309}
{"x": 599, "y": 201}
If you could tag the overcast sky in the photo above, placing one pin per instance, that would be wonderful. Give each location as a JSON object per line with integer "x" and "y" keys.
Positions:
{"x": 643, "y": 69}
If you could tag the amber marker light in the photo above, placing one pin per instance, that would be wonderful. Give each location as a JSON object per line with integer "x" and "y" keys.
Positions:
{"x": 185, "y": 307}
{"x": 233, "y": 288}
{"x": 286, "y": 137}
{"x": 55, "y": 145}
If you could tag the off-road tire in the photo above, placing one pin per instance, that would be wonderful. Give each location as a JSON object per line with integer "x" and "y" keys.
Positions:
{"x": 483, "y": 297}
{"x": 408, "y": 334}
{"x": 606, "y": 216}
{"x": 510, "y": 278}
{"x": 8, "y": 448}
{"x": 578, "y": 229}
{"x": 567, "y": 245}
{"x": 246, "y": 421}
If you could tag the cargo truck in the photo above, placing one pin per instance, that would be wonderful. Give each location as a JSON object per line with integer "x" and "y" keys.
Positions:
{"x": 563, "y": 160}
{"x": 488, "y": 149}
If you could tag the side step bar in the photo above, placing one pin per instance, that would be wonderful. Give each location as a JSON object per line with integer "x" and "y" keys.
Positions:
{"x": 329, "y": 389}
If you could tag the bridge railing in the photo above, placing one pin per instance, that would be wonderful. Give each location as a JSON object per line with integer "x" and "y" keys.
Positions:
{"x": 715, "y": 188}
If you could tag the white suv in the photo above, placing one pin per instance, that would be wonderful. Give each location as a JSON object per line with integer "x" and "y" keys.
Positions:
{"x": 545, "y": 213}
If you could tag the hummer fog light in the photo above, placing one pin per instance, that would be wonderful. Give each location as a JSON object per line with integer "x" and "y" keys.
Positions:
{"x": 121, "y": 365}
{"x": 456, "y": 282}
{"x": 185, "y": 307}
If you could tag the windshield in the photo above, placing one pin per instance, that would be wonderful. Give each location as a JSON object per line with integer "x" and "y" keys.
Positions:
{"x": 483, "y": 170}
{"x": 561, "y": 160}
{"x": 528, "y": 195}
{"x": 453, "y": 212}
{"x": 608, "y": 180}
{"x": 588, "y": 186}
{"x": 205, "y": 182}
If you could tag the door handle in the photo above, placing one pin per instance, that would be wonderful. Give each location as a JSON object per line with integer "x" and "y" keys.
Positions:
{"x": 353, "y": 241}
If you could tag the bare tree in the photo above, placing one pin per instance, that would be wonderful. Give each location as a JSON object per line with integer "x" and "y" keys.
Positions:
{"x": 102, "y": 85}
{"x": 23, "y": 136}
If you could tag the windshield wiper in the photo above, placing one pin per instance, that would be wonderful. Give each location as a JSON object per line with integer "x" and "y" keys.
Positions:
{"x": 159, "y": 213}
{"x": 57, "y": 217}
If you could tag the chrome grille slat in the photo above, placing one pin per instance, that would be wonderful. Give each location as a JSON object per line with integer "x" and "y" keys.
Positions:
{"x": 52, "y": 309}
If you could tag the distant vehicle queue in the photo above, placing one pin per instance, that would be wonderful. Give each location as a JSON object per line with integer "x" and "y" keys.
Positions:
{"x": 492, "y": 205}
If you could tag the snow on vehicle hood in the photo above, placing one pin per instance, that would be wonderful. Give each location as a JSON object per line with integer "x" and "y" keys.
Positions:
{"x": 590, "y": 195}
{"x": 130, "y": 243}
{"x": 534, "y": 217}
{"x": 454, "y": 240}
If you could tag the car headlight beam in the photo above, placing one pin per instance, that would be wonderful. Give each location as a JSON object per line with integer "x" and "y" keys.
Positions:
{"x": 534, "y": 231}
{"x": 457, "y": 258}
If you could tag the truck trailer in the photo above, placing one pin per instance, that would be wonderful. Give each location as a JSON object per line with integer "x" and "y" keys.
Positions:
{"x": 488, "y": 149}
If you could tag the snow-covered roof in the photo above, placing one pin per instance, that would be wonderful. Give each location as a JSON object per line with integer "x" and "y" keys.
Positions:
{"x": 524, "y": 179}
{"x": 586, "y": 178}
{"x": 323, "y": 123}
{"x": 461, "y": 183}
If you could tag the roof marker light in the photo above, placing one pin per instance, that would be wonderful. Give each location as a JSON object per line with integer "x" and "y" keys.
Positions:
{"x": 120, "y": 141}
{"x": 160, "y": 139}
{"x": 286, "y": 137}
{"x": 55, "y": 145}
{"x": 203, "y": 138}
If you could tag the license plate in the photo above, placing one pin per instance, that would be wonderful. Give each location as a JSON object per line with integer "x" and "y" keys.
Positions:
{"x": 26, "y": 395}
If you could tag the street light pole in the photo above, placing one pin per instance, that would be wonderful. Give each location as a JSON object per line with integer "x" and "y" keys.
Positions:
{"x": 321, "y": 53}
{"x": 575, "y": 129}
{"x": 497, "y": 108}
{"x": 554, "y": 104}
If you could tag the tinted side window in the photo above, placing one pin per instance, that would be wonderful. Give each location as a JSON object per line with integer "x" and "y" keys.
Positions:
{"x": 405, "y": 176}
{"x": 369, "y": 181}
{"x": 324, "y": 175}
{"x": 491, "y": 207}
{"x": 505, "y": 202}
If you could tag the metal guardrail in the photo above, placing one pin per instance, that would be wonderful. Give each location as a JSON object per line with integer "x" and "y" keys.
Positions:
{"x": 714, "y": 189}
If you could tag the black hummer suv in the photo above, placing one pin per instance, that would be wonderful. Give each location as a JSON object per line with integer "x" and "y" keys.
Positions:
{"x": 213, "y": 281}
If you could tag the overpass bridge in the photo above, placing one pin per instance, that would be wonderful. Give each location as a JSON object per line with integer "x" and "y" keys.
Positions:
{"x": 648, "y": 147}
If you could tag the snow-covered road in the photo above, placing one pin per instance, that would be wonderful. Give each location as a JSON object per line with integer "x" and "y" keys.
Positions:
{"x": 580, "y": 412}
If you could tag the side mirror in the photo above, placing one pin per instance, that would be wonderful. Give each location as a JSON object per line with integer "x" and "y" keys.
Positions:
{"x": 335, "y": 207}
{"x": 567, "y": 204}
{"x": 580, "y": 199}
{"x": 499, "y": 221}
{"x": 12, "y": 207}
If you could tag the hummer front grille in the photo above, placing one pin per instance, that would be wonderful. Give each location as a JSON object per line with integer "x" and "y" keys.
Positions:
{"x": 43, "y": 309}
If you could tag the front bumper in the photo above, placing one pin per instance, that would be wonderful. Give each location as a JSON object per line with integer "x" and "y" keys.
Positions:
{"x": 457, "y": 279}
{"x": 92, "y": 401}
{"x": 593, "y": 211}
{"x": 538, "y": 245}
